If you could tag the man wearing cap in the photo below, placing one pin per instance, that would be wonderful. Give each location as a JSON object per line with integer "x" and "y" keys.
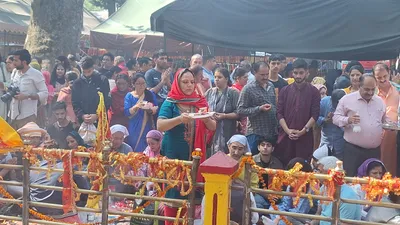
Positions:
{"x": 118, "y": 135}
{"x": 32, "y": 134}
{"x": 346, "y": 210}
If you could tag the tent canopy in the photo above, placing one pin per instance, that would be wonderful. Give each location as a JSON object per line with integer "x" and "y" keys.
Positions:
{"x": 15, "y": 16}
{"x": 319, "y": 29}
{"x": 129, "y": 29}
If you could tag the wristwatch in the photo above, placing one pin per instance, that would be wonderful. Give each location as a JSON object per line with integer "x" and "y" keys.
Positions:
{"x": 306, "y": 128}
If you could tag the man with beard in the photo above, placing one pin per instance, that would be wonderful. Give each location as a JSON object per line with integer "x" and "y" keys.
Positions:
{"x": 298, "y": 109}
{"x": 59, "y": 130}
{"x": 32, "y": 90}
{"x": 158, "y": 79}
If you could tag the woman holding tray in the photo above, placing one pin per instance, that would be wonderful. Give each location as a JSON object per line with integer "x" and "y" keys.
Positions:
{"x": 183, "y": 133}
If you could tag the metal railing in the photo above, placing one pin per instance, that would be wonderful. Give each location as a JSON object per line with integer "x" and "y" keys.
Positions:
{"x": 27, "y": 204}
{"x": 336, "y": 200}
{"x": 106, "y": 193}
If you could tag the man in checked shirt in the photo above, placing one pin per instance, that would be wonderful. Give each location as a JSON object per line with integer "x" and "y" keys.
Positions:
{"x": 257, "y": 102}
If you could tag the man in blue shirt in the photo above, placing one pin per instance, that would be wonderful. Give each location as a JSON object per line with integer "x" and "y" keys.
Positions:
{"x": 208, "y": 67}
{"x": 346, "y": 210}
{"x": 331, "y": 135}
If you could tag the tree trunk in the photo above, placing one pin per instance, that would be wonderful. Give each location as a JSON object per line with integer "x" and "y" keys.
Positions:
{"x": 55, "y": 28}
{"x": 110, "y": 7}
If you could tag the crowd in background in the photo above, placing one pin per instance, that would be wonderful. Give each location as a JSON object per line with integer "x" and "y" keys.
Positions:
{"x": 282, "y": 113}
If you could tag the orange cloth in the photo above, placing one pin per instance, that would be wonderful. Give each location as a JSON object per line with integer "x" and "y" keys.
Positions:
{"x": 389, "y": 142}
{"x": 8, "y": 136}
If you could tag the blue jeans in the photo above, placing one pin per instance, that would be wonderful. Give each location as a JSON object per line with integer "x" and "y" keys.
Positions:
{"x": 253, "y": 142}
{"x": 261, "y": 202}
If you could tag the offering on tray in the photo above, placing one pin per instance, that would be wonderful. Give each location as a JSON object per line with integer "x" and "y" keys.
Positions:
{"x": 390, "y": 126}
{"x": 202, "y": 113}
{"x": 146, "y": 105}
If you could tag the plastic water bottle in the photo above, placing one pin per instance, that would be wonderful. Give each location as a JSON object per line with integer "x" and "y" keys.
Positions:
{"x": 356, "y": 127}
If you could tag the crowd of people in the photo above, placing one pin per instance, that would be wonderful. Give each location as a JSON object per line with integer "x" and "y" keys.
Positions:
{"x": 277, "y": 111}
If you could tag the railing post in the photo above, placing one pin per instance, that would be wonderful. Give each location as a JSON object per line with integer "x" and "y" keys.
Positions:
{"x": 25, "y": 190}
{"x": 105, "y": 191}
{"x": 246, "y": 202}
{"x": 191, "y": 205}
{"x": 217, "y": 172}
{"x": 336, "y": 196}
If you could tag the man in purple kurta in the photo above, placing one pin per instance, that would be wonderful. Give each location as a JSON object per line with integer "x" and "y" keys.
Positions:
{"x": 298, "y": 109}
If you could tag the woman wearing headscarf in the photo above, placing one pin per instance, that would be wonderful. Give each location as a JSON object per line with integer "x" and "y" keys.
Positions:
{"x": 154, "y": 139}
{"x": 183, "y": 133}
{"x": 74, "y": 140}
{"x": 369, "y": 168}
{"x": 223, "y": 100}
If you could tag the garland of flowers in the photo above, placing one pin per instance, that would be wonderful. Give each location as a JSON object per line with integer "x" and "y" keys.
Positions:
{"x": 245, "y": 159}
{"x": 375, "y": 189}
{"x": 177, "y": 173}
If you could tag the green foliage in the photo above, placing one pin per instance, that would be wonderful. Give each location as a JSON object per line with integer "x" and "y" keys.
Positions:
{"x": 105, "y": 4}
{"x": 89, "y": 6}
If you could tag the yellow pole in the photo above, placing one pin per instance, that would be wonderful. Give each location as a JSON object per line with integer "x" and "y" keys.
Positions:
{"x": 217, "y": 172}
{"x": 217, "y": 186}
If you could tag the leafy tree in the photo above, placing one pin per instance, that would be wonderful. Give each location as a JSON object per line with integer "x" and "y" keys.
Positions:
{"x": 110, "y": 5}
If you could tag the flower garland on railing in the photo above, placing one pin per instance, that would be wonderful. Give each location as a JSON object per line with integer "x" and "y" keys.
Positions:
{"x": 177, "y": 173}
{"x": 174, "y": 171}
{"x": 245, "y": 159}
{"x": 376, "y": 189}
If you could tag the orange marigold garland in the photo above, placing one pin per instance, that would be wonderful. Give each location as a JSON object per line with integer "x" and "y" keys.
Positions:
{"x": 375, "y": 189}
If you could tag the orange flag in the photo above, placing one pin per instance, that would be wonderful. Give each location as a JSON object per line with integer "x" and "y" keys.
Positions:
{"x": 9, "y": 138}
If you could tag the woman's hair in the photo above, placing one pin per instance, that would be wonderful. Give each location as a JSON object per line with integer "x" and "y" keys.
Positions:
{"x": 357, "y": 67}
{"x": 53, "y": 78}
{"x": 238, "y": 73}
{"x": 306, "y": 166}
{"x": 75, "y": 135}
{"x": 373, "y": 165}
{"x": 225, "y": 73}
{"x": 394, "y": 198}
{"x": 147, "y": 94}
{"x": 71, "y": 75}
{"x": 131, "y": 63}
{"x": 64, "y": 61}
